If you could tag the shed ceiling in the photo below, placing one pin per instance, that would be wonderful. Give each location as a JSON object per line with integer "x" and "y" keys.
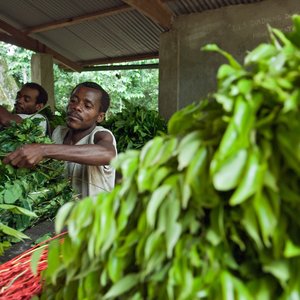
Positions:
{"x": 80, "y": 34}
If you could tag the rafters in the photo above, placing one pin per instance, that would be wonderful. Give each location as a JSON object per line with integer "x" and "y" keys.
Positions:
{"x": 155, "y": 10}
{"x": 79, "y": 19}
{"x": 17, "y": 37}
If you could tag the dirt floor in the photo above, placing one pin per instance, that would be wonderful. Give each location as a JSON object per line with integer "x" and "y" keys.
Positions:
{"x": 36, "y": 232}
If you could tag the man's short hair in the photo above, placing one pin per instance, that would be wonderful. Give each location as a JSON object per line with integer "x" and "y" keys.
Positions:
{"x": 105, "y": 99}
{"x": 42, "y": 96}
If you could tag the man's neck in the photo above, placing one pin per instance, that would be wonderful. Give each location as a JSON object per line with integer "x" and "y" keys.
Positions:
{"x": 73, "y": 136}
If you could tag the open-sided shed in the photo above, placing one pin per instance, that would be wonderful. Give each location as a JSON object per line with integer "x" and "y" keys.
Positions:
{"x": 80, "y": 35}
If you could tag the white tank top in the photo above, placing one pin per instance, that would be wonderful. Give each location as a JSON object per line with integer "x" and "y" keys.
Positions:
{"x": 87, "y": 180}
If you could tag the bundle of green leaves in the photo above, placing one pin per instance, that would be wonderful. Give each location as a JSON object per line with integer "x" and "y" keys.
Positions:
{"x": 135, "y": 125}
{"x": 210, "y": 211}
{"x": 28, "y": 196}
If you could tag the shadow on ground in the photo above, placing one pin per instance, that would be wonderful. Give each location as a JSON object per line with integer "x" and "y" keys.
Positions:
{"x": 36, "y": 232}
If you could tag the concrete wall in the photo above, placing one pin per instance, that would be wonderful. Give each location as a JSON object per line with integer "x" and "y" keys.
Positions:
{"x": 186, "y": 73}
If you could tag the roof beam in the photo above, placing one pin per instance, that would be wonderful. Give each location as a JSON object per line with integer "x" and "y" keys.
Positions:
{"x": 121, "y": 67}
{"x": 120, "y": 59}
{"x": 79, "y": 19}
{"x": 155, "y": 10}
{"x": 18, "y": 38}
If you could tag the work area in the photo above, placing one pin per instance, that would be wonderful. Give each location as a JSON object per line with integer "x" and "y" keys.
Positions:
{"x": 197, "y": 198}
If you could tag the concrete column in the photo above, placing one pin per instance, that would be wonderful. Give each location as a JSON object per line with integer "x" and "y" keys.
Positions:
{"x": 42, "y": 73}
{"x": 168, "y": 74}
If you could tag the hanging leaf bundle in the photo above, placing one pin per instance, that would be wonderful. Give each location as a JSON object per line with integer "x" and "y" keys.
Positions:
{"x": 28, "y": 196}
{"x": 210, "y": 211}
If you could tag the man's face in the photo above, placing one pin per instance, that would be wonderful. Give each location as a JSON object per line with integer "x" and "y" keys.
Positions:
{"x": 26, "y": 101}
{"x": 83, "y": 110}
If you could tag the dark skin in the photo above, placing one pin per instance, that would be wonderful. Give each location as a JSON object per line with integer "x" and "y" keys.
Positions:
{"x": 83, "y": 113}
{"x": 25, "y": 104}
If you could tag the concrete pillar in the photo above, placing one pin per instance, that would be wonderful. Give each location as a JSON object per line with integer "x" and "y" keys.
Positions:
{"x": 168, "y": 74}
{"x": 42, "y": 73}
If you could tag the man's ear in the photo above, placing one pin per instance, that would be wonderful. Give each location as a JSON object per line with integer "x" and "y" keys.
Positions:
{"x": 39, "y": 106}
{"x": 101, "y": 117}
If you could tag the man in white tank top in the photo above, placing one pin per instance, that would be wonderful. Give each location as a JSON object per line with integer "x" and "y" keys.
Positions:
{"x": 86, "y": 148}
{"x": 31, "y": 98}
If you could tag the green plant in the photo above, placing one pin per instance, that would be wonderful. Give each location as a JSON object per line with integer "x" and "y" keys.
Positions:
{"x": 28, "y": 196}
{"x": 135, "y": 125}
{"x": 210, "y": 211}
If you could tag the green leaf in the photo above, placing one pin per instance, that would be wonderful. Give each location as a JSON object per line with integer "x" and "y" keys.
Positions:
{"x": 153, "y": 242}
{"x": 91, "y": 282}
{"x": 225, "y": 71}
{"x": 128, "y": 163}
{"x": 145, "y": 179}
{"x": 280, "y": 269}
{"x": 156, "y": 199}
{"x": 245, "y": 86}
{"x": 54, "y": 263}
{"x": 62, "y": 215}
{"x": 150, "y": 151}
{"x": 18, "y": 210}
{"x": 266, "y": 217}
{"x": 227, "y": 286}
{"x": 160, "y": 176}
{"x": 291, "y": 250}
{"x": 173, "y": 233}
{"x": 229, "y": 173}
{"x": 12, "y": 193}
{"x": 12, "y": 232}
{"x": 115, "y": 267}
{"x": 261, "y": 53}
{"x": 252, "y": 180}
{"x": 122, "y": 286}
{"x": 187, "y": 149}
{"x": 183, "y": 119}
{"x": 35, "y": 258}
{"x": 166, "y": 152}
{"x": 249, "y": 221}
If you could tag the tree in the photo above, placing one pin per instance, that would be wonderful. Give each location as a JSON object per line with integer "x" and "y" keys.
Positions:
{"x": 135, "y": 86}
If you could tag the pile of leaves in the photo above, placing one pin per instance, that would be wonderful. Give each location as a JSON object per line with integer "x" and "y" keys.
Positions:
{"x": 210, "y": 211}
{"x": 134, "y": 126}
{"x": 28, "y": 196}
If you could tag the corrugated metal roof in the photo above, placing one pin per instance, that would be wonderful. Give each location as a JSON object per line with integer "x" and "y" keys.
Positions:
{"x": 123, "y": 34}
{"x": 183, "y": 7}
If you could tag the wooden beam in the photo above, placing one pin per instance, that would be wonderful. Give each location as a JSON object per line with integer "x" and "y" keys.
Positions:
{"x": 18, "y": 38}
{"x": 155, "y": 10}
{"x": 121, "y": 67}
{"x": 111, "y": 60}
{"x": 79, "y": 19}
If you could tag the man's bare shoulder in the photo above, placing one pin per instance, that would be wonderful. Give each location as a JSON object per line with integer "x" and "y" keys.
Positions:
{"x": 103, "y": 136}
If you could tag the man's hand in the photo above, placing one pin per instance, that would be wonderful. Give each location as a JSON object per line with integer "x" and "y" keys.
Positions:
{"x": 25, "y": 157}
{"x": 6, "y": 117}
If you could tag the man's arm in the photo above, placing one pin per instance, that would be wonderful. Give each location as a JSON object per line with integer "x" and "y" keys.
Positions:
{"x": 97, "y": 154}
{"x": 6, "y": 117}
